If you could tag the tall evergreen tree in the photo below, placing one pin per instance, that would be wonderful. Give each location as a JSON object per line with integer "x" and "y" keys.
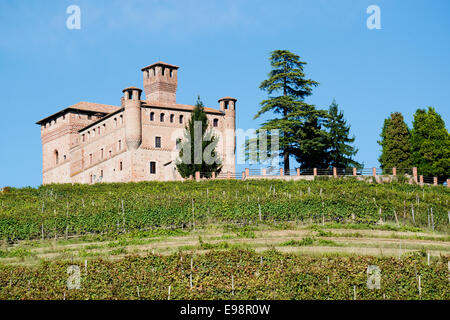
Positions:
{"x": 340, "y": 151}
{"x": 311, "y": 141}
{"x": 287, "y": 87}
{"x": 396, "y": 144}
{"x": 430, "y": 143}
{"x": 197, "y": 150}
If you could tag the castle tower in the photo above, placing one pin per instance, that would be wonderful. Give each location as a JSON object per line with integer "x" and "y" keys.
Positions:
{"x": 133, "y": 126}
{"x": 160, "y": 82}
{"x": 228, "y": 106}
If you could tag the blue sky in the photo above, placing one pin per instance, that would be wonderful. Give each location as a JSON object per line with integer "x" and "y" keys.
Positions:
{"x": 223, "y": 49}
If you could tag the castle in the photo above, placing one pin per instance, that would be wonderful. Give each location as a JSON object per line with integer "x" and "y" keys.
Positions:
{"x": 138, "y": 141}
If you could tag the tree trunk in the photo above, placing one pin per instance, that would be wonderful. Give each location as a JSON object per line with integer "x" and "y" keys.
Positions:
{"x": 285, "y": 152}
{"x": 286, "y": 162}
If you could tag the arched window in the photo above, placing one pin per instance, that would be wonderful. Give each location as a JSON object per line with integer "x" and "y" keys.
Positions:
{"x": 152, "y": 116}
{"x": 161, "y": 117}
{"x": 56, "y": 156}
{"x": 216, "y": 122}
{"x": 172, "y": 117}
{"x": 181, "y": 119}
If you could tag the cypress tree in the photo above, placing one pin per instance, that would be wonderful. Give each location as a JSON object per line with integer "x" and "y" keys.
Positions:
{"x": 396, "y": 144}
{"x": 430, "y": 143}
{"x": 202, "y": 158}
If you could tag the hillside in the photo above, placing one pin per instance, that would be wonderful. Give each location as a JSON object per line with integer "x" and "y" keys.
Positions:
{"x": 66, "y": 210}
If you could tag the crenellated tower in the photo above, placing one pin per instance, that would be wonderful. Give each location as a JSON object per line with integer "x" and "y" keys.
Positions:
{"x": 160, "y": 82}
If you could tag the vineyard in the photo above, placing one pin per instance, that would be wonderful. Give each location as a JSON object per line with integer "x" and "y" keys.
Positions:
{"x": 67, "y": 210}
{"x": 235, "y": 274}
{"x": 225, "y": 239}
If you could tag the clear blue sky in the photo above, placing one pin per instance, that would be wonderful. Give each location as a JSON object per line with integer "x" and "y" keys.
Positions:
{"x": 222, "y": 48}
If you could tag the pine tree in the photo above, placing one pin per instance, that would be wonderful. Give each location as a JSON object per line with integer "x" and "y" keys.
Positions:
{"x": 340, "y": 151}
{"x": 197, "y": 152}
{"x": 311, "y": 141}
{"x": 290, "y": 87}
{"x": 395, "y": 143}
{"x": 430, "y": 143}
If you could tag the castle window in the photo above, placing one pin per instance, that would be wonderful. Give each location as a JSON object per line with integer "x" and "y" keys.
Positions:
{"x": 110, "y": 153}
{"x": 83, "y": 137}
{"x": 93, "y": 133}
{"x": 121, "y": 119}
{"x": 152, "y": 167}
{"x": 90, "y": 158}
{"x": 101, "y": 153}
{"x": 181, "y": 119}
{"x": 130, "y": 95}
{"x": 172, "y": 117}
{"x": 148, "y": 74}
{"x": 163, "y": 70}
{"x": 120, "y": 166}
{"x": 216, "y": 122}
{"x": 161, "y": 117}
{"x": 56, "y": 157}
{"x": 171, "y": 73}
{"x": 104, "y": 127}
{"x": 98, "y": 129}
{"x": 154, "y": 71}
{"x": 120, "y": 145}
{"x": 115, "y": 122}
{"x": 157, "y": 142}
{"x": 64, "y": 157}
{"x": 152, "y": 116}
{"x": 226, "y": 104}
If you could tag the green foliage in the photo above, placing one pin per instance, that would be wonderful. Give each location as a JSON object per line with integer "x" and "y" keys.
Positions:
{"x": 287, "y": 87}
{"x": 340, "y": 151}
{"x": 395, "y": 143}
{"x": 299, "y": 243}
{"x": 204, "y": 160}
{"x": 151, "y": 207}
{"x": 430, "y": 142}
{"x": 279, "y": 276}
